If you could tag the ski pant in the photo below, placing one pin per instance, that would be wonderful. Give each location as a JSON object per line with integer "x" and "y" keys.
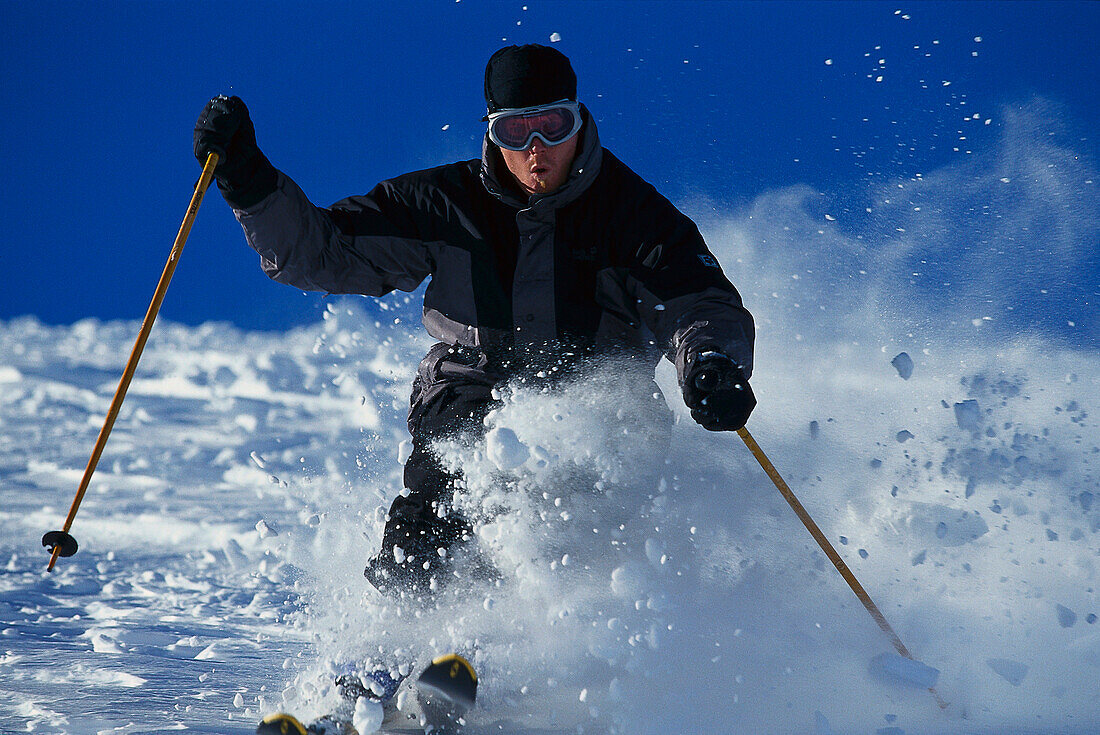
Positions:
{"x": 449, "y": 399}
{"x": 451, "y": 396}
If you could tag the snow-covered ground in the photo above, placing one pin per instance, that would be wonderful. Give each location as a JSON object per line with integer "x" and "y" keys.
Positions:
{"x": 224, "y": 535}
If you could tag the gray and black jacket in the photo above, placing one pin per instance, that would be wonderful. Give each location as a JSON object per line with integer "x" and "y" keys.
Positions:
{"x": 603, "y": 264}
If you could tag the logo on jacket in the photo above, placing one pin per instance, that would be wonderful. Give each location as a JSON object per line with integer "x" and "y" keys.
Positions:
{"x": 708, "y": 260}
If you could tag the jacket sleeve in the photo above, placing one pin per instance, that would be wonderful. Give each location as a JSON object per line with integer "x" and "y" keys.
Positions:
{"x": 362, "y": 245}
{"x": 681, "y": 292}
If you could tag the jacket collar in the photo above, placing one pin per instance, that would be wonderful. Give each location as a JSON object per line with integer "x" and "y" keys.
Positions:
{"x": 586, "y": 166}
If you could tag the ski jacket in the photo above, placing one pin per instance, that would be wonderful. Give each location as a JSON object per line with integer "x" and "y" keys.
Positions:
{"x": 602, "y": 264}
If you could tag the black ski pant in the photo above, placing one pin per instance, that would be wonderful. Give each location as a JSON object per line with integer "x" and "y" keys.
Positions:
{"x": 451, "y": 396}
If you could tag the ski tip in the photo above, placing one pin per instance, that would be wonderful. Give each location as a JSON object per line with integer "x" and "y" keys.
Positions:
{"x": 449, "y": 679}
{"x": 454, "y": 664}
{"x": 280, "y": 724}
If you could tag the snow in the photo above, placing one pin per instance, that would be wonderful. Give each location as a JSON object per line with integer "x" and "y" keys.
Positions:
{"x": 1012, "y": 671}
{"x": 505, "y": 449}
{"x": 904, "y": 669}
{"x": 265, "y": 529}
{"x": 638, "y": 592}
{"x": 1066, "y": 617}
{"x": 968, "y": 415}
{"x": 368, "y": 716}
{"x": 404, "y": 451}
{"x": 976, "y": 536}
{"x": 903, "y": 363}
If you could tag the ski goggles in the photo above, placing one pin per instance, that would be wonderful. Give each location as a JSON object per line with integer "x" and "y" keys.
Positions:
{"x": 553, "y": 124}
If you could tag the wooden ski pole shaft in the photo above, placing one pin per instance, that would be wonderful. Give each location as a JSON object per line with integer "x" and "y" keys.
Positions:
{"x": 143, "y": 336}
{"x": 829, "y": 550}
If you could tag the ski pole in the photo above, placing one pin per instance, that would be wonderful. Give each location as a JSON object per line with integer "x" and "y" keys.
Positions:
{"x": 830, "y": 551}
{"x": 60, "y": 543}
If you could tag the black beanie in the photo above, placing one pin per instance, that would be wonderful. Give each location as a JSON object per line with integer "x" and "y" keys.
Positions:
{"x": 525, "y": 76}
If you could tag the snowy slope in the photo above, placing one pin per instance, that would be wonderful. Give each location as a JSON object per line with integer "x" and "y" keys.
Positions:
{"x": 224, "y": 535}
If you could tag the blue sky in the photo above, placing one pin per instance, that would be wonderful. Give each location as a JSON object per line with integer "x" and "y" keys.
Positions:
{"x": 715, "y": 103}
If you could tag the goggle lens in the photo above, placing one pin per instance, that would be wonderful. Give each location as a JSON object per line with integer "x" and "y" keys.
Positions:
{"x": 517, "y": 130}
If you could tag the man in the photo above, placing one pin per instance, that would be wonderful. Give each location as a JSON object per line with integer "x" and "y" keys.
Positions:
{"x": 544, "y": 255}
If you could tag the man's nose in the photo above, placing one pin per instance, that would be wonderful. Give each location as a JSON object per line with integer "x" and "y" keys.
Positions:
{"x": 537, "y": 146}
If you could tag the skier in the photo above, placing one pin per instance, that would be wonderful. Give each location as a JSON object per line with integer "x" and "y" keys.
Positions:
{"x": 546, "y": 254}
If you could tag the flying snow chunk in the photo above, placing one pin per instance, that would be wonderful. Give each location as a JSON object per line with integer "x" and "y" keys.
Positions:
{"x": 504, "y": 448}
{"x": 1066, "y": 617}
{"x": 368, "y": 715}
{"x": 9, "y": 374}
{"x": 555, "y": 37}
{"x": 404, "y": 451}
{"x": 105, "y": 644}
{"x": 968, "y": 415}
{"x": 654, "y": 550}
{"x": 1011, "y": 671}
{"x": 265, "y": 529}
{"x": 234, "y": 554}
{"x": 903, "y": 364}
{"x": 905, "y": 669}
{"x": 628, "y": 581}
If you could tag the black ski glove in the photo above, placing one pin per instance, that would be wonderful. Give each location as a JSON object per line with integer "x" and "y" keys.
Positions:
{"x": 244, "y": 174}
{"x": 717, "y": 392}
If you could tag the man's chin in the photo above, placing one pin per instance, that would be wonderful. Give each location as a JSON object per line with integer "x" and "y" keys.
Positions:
{"x": 542, "y": 185}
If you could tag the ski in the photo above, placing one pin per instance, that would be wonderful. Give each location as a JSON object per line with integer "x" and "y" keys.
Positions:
{"x": 446, "y": 690}
{"x": 437, "y": 700}
{"x": 281, "y": 724}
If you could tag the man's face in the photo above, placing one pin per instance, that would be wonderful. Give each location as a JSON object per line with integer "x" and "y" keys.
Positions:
{"x": 541, "y": 168}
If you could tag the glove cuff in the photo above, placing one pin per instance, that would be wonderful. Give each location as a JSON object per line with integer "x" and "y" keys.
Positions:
{"x": 258, "y": 181}
{"x": 699, "y": 355}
